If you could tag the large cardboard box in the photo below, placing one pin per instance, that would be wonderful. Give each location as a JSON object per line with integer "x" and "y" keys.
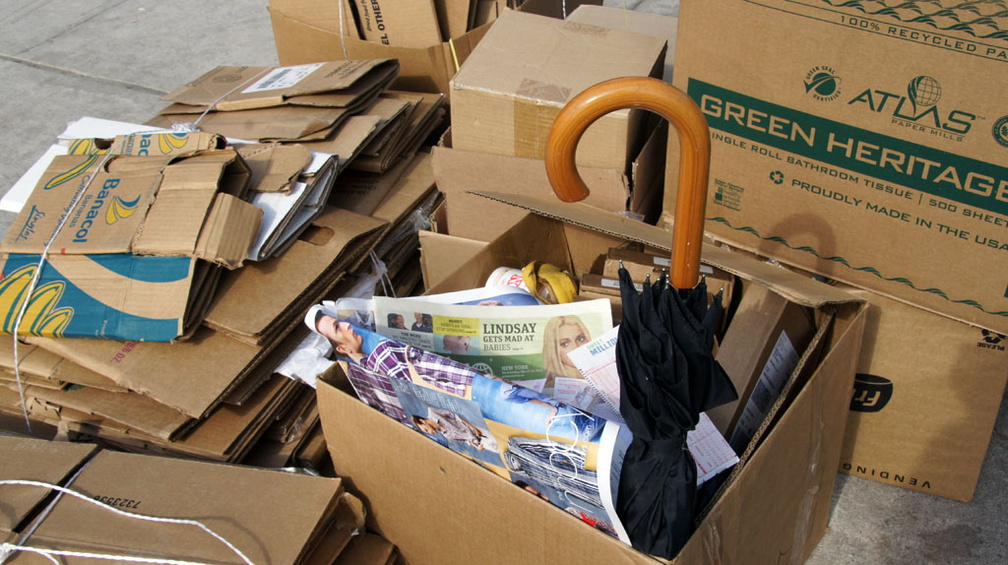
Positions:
{"x": 926, "y": 397}
{"x": 862, "y": 144}
{"x": 135, "y": 256}
{"x": 310, "y": 31}
{"x": 507, "y": 94}
{"x": 774, "y": 507}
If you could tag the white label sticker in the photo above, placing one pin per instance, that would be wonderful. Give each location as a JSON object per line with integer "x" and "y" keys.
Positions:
{"x": 282, "y": 77}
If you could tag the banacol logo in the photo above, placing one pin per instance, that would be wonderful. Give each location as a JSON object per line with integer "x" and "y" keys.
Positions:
{"x": 991, "y": 340}
{"x": 918, "y": 108}
{"x": 81, "y": 236}
{"x": 70, "y": 174}
{"x": 871, "y": 393}
{"x": 822, "y": 83}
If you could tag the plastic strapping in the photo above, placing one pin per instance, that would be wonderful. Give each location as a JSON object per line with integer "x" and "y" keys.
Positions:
{"x": 34, "y": 282}
{"x": 8, "y": 548}
{"x": 193, "y": 126}
{"x": 342, "y": 32}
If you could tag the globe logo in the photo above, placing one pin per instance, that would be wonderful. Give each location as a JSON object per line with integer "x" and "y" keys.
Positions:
{"x": 924, "y": 91}
{"x": 822, "y": 83}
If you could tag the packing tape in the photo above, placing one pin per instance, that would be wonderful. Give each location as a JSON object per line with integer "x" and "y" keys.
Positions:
{"x": 536, "y": 106}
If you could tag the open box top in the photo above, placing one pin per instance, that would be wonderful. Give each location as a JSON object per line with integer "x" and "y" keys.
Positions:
{"x": 803, "y": 290}
{"x": 776, "y": 503}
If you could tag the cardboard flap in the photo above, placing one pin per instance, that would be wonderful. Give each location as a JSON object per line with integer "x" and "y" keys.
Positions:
{"x": 182, "y": 375}
{"x": 226, "y": 499}
{"x": 261, "y": 124}
{"x": 255, "y": 296}
{"x": 804, "y": 290}
{"x": 228, "y": 232}
{"x": 229, "y": 88}
{"x": 140, "y": 144}
{"x": 35, "y": 460}
{"x": 107, "y": 215}
{"x": 274, "y": 167}
{"x": 188, "y": 191}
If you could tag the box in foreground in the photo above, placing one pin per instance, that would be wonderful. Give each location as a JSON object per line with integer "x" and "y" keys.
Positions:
{"x": 776, "y": 504}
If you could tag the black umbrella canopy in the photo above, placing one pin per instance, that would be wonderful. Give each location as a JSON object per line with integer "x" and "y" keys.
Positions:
{"x": 668, "y": 375}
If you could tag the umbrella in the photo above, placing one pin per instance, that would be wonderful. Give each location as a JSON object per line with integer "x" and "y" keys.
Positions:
{"x": 668, "y": 374}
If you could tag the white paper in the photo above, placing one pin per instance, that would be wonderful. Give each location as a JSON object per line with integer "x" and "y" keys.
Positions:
{"x": 782, "y": 361}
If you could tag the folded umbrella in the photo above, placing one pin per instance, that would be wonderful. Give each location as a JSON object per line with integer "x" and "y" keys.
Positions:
{"x": 668, "y": 374}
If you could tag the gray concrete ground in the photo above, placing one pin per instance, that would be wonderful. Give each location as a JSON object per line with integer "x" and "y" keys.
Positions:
{"x": 64, "y": 59}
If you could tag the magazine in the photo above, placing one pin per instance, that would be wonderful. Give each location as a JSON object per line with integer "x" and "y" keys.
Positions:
{"x": 523, "y": 344}
{"x": 597, "y": 362}
{"x": 555, "y": 451}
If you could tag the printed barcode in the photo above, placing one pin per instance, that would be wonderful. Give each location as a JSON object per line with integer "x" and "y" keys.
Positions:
{"x": 271, "y": 80}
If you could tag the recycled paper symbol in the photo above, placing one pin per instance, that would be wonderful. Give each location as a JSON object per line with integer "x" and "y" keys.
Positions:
{"x": 777, "y": 177}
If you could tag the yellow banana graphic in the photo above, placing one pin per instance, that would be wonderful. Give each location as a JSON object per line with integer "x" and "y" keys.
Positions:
{"x": 42, "y": 317}
{"x": 84, "y": 147}
{"x": 76, "y": 171}
{"x": 170, "y": 142}
{"x": 120, "y": 209}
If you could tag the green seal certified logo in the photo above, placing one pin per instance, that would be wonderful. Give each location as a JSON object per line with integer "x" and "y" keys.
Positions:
{"x": 822, "y": 83}
{"x": 1000, "y": 130}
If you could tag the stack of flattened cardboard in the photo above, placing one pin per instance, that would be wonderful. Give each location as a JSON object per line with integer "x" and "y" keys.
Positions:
{"x": 208, "y": 513}
{"x": 215, "y": 395}
{"x": 139, "y": 239}
{"x": 294, "y": 103}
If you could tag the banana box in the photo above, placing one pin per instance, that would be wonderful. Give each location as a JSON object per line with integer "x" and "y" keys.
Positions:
{"x": 125, "y": 247}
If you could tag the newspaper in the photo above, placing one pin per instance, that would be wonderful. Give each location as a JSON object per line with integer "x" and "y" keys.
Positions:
{"x": 597, "y": 362}
{"x": 559, "y": 453}
{"x": 523, "y": 344}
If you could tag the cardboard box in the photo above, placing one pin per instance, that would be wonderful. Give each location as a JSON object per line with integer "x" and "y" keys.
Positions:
{"x": 458, "y": 171}
{"x": 647, "y": 23}
{"x": 784, "y": 329}
{"x": 402, "y": 23}
{"x": 926, "y": 398}
{"x": 135, "y": 253}
{"x": 874, "y": 154}
{"x": 506, "y": 95}
{"x": 775, "y": 507}
{"x": 309, "y": 31}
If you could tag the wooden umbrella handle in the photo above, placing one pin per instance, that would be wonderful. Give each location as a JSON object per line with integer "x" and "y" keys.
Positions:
{"x": 694, "y": 140}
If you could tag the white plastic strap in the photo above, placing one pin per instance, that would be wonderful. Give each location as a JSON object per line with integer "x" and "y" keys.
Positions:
{"x": 34, "y": 282}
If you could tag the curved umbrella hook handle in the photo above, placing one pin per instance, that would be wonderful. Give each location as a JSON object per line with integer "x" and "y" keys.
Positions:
{"x": 694, "y": 167}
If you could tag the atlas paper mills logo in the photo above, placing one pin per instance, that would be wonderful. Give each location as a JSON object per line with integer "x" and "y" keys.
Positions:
{"x": 822, "y": 83}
